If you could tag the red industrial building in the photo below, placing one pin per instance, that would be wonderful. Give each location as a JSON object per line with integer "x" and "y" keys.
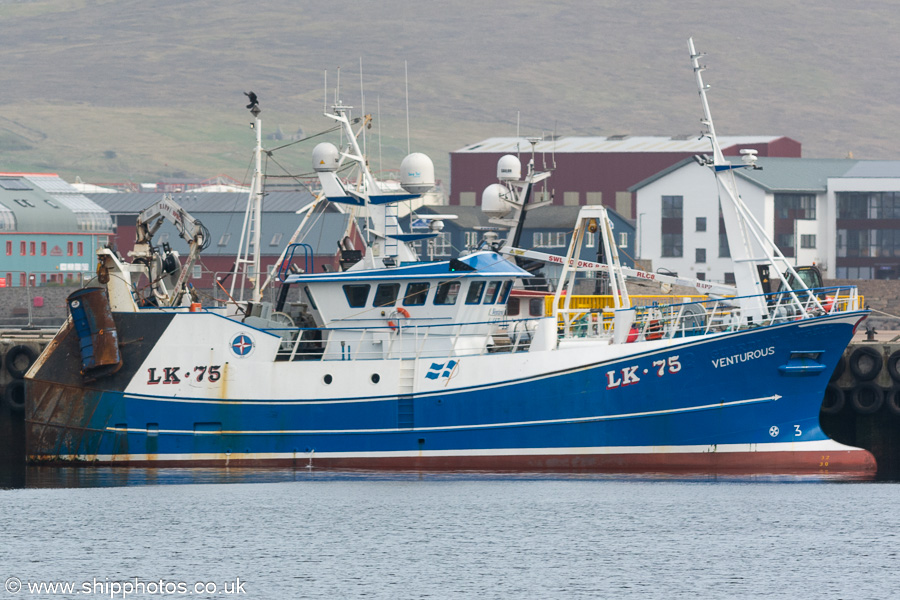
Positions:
{"x": 594, "y": 170}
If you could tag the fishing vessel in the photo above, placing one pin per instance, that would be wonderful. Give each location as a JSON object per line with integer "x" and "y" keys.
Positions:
{"x": 397, "y": 363}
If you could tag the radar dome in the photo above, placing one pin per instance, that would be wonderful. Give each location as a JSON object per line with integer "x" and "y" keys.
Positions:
{"x": 509, "y": 168}
{"x": 325, "y": 157}
{"x": 417, "y": 173}
{"x": 496, "y": 200}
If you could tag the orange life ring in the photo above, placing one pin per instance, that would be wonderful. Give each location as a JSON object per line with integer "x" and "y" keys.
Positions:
{"x": 654, "y": 330}
{"x": 400, "y": 311}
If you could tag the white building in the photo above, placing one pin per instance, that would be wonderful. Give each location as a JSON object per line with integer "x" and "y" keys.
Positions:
{"x": 841, "y": 214}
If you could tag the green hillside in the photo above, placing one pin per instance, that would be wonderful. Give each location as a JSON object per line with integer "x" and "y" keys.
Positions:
{"x": 116, "y": 90}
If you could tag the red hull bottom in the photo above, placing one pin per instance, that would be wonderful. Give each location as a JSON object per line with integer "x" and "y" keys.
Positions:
{"x": 853, "y": 463}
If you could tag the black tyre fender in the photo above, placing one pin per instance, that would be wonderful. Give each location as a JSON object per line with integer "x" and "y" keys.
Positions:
{"x": 833, "y": 402}
{"x": 14, "y": 395}
{"x": 14, "y": 360}
{"x": 867, "y": 398}
{"x": 839, "y": 368}
{"x": 893, "y": 401}
{"x": 866, "y": 363}
{"x": 893, "y": 366}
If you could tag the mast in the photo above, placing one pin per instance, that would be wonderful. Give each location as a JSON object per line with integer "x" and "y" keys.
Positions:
{"x": 247, "y": 264}
{"x": 748, "y": 242}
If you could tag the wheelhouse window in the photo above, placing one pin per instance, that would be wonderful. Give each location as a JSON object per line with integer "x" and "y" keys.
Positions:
{"x": 357, "y": 294}
{"x": 416, "y": 294}
{"x": 505, "y": 290}
{"x": 446, "y": 293}
{"x": 386, "y": 294}
{"x": 473, "y": 296}
{"x": 493, "y": 290}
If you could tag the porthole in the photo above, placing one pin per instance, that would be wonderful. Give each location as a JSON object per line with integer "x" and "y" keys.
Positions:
{"x": 376, "y": 377}
{"x": 328, "y": 379}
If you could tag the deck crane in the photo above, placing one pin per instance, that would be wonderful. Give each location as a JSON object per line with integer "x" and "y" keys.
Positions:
{"x": 164, "y": 270}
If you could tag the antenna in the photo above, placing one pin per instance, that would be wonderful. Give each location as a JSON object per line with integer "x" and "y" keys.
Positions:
{"x": 362, "y": 101}
{"x": 325, "y": 97}
{"x": 518, "y": 135}
{"x": 406, "y": 76}
{"x": 378, "y": 109}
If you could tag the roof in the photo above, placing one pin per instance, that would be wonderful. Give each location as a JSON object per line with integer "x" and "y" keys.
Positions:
{"x": 322, "y": 233}
{"x": 202, "y": 202}
{"x": 483, "y": 264}
{"x": 796, "y": 174}
{"x": 613, "y": 144}
{"x": 874, "y": 169}
{"x": 43, "y": 202}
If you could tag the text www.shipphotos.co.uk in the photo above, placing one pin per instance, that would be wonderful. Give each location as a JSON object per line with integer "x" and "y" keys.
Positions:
{"x": 123, "y": 589}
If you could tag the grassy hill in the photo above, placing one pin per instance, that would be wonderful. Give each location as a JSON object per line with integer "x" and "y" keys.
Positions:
{"x": 115, "y": 90}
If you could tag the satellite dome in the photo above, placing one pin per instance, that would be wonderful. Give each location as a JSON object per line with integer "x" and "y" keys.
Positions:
{"x": 325, "y": 157}
{"x": 496, "y": 200}
{"x": 509, "y": 168}
{"x": 417, "y": 173}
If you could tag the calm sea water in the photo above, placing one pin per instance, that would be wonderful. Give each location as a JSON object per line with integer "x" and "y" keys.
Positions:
{"x": 292, "y": 535}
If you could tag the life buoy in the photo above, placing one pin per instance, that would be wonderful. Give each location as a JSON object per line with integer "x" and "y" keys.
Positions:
{"x": 867, "y": 398}
{"x": 14, "y": 360}
{"x": 839, "y": 368}
{"x": 654, "y": 330}
{"x": 828, "y": 304}
{"x": 14, "y": 395}
{"x": 833, "y": 402}
{"x": 400, "y": 311}
{"x": 866, "y": 363}
{"x": 893, "y": 365}
{"x": 632, "y": 335}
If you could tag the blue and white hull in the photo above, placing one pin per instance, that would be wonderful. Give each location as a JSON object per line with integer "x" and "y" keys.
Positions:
{"x": 740, "y": 402}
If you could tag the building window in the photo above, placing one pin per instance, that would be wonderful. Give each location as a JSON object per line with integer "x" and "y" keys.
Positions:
{"x": 868, "y": 205}
{"x": 22, "y": 248}
{"x": 701, "y": 223}
{"x": 700, "y": 255}
{"x": 589, "y": 239}
{"x": 795, "y": 206}
{"x": 549, "y": 239}
{"x": 672, "y": 244}
{"x": 9, "y": 248}
{"x": 571, "y": 198}
{"x": 467, "y": 199}
{"x": 623, "y": 239}
{"x": 729, "y": 278}
{"x": 672, "y": 207}
{"x": 33, "y": 246}
{"x": 43, "y": 248}
{"x": 594, "y": 198}
{"x": 197, "y": 271}
{"x": 223, "y": 241}
{"x": 276, "y": 239}
{"x": 808, "y": 241}
{"x": 785, "y": 243}
{"x": 441, "y": 244}
{"x": 80, "y": 246}
{"x": 701, "y": 276}
{"x": 471, "y": 239}
{"x": 69, "y": 248}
